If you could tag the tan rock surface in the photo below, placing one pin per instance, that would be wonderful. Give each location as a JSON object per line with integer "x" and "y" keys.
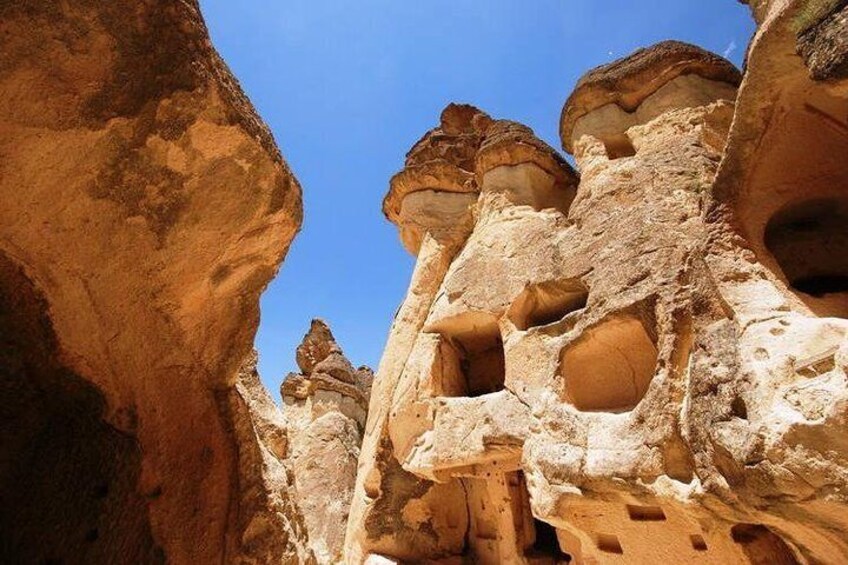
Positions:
{"x": 143, "y": 208}
{"x": 640, "y": 87}
{"x": 271, "y": 523}
{"x": 645, "y": 363}
{"x": 325, "y": 408}
{"x": 823, "y": 44}
{"x": 437, "y": 186}
{"x": 653, "y": 372}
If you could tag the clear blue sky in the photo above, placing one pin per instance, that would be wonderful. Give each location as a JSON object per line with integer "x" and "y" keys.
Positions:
{"x": 348, "y": 86}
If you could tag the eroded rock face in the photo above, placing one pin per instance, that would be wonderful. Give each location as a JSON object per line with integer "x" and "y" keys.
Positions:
{"x": 325, "y": 407}
{"x": 821, "y": 39}
{"x": 143, "y": 208}
{"x": 611, "y": 99}
{"x": 434, "y": 191}
{"x": 652, "y": 370}
{"x": 271, "y": 522}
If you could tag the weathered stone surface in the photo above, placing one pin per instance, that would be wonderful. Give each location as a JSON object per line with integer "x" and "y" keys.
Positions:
{"x": 325, "y": 409}
{"x": 824, "y": 46}
{"x": 316, "y": 346}
{"x": 437, "y": 184}
{"x": 654, "y": 371}
{"x": 645, "y": 363}
{"x": 509, "y": 144}
{"x": 143, "y": 208}
{"x": 632, "y": 91}
{"x": 271, "y": 524}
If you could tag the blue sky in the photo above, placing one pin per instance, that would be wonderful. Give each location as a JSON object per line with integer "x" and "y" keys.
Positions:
{"x": 348, "y": 86}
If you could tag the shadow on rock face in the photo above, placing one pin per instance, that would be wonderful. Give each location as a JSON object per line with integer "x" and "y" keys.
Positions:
{"x": 67, "y": 478}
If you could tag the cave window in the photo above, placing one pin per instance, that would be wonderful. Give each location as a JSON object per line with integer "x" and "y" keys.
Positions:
{"x": 546, "y": 303}
{"x": 546, "y": 543}
{"x": 608, "y": 543}
{"x": 472, "y": 361}
{"x": 610, "y": 366}
{"x": 809, "y": 242}
{"x": 762, "y": 545}
{"x": 619, "y": 146}
{"x": 640, "y": 513}
{"x": 698, "y": 542}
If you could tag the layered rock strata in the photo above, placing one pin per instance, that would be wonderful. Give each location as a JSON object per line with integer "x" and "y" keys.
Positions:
{"x": 645, "y": 364}
{"x": 325, "y": 407}
{"x": 143, "y": 208}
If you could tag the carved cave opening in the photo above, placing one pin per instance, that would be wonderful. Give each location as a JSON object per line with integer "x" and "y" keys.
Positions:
{"x": 809, "y": 241}
{"x": 639, "y": 513}
{"x": 793, "y": 204}
{"x": 762, "y": 546}
{"x": 67, "y": 479}
{"x": 472, "y": 356}
{"x": 610, "y": 367}
{"x": 502, "y": 527}
{"x": 609, "y": 543}
{"x": 546, "y": 303}
{"x": 619, "y": 146}
{"x": 546, "y": 544}
{"x": 698, "y": 542}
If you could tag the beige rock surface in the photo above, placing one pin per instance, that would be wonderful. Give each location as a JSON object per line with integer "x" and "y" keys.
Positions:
{"x": 642, "y": 363}
{"x": 652, "y": 370}
{"x": 143, "y": 208}
{"x": 272, "y": 522}
{"x": 631, "y": 91}
{"x": 325, "y": 407}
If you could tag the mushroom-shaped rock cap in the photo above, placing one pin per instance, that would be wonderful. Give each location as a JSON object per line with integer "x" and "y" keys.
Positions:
{"x": 442, "y": 160}
{"x": 460, "y": 129}
{"x": 629, "y": 81}
{"x": 509, "y": 143}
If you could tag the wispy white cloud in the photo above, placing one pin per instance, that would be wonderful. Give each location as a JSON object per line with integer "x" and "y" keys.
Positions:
{"x": 731, "y": 47}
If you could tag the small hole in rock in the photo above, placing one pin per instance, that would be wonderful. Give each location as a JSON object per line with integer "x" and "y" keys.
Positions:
{"x": 645, "y": 513}
{"x": 739, "y": 409}
{"x": 698, "y": 542}
{"x": 619, "y": 146}
{"x": 548, "y": 302}
{"x": 609, "y": 544}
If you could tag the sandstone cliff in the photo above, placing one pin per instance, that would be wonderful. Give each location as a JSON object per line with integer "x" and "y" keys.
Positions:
{"x": 638, "y": 360}
{"x": 644, "y": 363}
{"x": 143, "y": 208}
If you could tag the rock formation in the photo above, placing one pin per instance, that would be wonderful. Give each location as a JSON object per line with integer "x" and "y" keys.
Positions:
{"x": 271, "y": 520}
{"x": 325, "y": 408}
{"x": 642, "y": 364}
{"x": 143, "y": 208}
